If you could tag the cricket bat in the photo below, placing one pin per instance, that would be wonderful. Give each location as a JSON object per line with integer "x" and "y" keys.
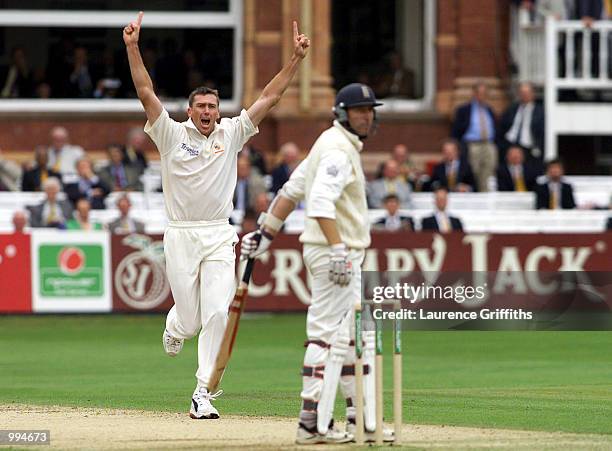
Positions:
{"x": 229, "y": 337}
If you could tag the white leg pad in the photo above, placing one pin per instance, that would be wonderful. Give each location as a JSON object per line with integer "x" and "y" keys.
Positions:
{"x": 331, "y": 377}
{"x": 369, "y": 380}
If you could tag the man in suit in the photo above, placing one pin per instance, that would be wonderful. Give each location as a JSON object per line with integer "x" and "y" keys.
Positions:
{"x": 441, "y": 221}
{"x": 393, "y": 220}
{"x": 118, "y": 175}
{"x": 52, "y": 212}
{"x": 124, "y": 224}
{"x": 133, "y": 152}
{"x": 87, "y": 185}
{"x": 291, "y": 158}
{"x": 63, "y": 155}
{"x": 522, "y": 124}
{"x": 474, "y": 126}
{"x": 249, "y": 185}
{"x": 453, "y": 172}
{"x": 390, "y": 183}
{"x": 33, "y": 179}
{"x": 554, "y": 193}
{"x": 515, "y": 174}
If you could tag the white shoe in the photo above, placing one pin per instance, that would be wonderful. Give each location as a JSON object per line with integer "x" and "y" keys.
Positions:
{"x": 201, "y": 408}
{"x": 172, "y": 345}
{"x": 370, "y": 437}
{"x": 307, "y": 436}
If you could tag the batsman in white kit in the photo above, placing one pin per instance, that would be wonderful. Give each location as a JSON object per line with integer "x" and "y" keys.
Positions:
{"x": 198, "y": 161}
{"x": 336, "y": 234}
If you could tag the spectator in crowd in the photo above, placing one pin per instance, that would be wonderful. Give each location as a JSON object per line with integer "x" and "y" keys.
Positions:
{"x": 19, "y": 81}
{"x": 290, "y": 154}
{"x": 87, "y": 185}
{"x": 125, "y": 224}
{"x": 34, "y": 178}
{"x": 554, "y": 193}
{"x": 407, "y": 169}
{"x": 256, "y": 159}
{"x": 81, "y": 220}
{"x": 117, "y": 175}
{"x": 397, "y": 80}
{"x": 52, "y": 212}
{"x": 134, "y": 150}
{"x": 390, "y": 183}
{"x": 393, "y": 220}
{"x": 10, "y": 173}
{"x": 515, "y": 174}
{"x": 63, "y": 155}
{"x": 522, "y": 124}
{"x": 474, "y": 126}
{"x": 441, "y": 221}
{"x": 453, "y": 172}
{"x": 43, "y": 90}
{"x": 20, "y": 221}
{"x": 250, "y": 184}
{"x": 262, "y": 202}
{"x": 81, "y": 84}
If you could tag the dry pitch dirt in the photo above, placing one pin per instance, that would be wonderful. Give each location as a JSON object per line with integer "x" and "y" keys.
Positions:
{"x": 89, "y": 428}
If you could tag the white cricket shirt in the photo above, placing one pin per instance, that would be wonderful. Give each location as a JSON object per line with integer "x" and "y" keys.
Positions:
{"x": 199, "y": 173}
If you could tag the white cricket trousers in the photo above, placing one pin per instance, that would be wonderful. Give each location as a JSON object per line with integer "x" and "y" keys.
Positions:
{"x": 330, "y": 314}
{"x": 200, "y": 262}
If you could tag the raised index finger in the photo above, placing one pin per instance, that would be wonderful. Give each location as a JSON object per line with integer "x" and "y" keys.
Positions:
{"x": 139, "y": 20}
{"x": 295, "y": 30}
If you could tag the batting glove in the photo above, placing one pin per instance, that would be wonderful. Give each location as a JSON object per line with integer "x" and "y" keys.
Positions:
{"x": 340, "y": 267}
{"x": 254, "y": 244}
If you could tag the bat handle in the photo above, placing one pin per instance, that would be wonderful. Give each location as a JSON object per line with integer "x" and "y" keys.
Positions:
{"x": 248, "y": 270}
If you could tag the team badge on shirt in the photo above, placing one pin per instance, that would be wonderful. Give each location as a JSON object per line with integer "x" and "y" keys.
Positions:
{"x": 332, "y": 170}
{"x": 218, "y": 149}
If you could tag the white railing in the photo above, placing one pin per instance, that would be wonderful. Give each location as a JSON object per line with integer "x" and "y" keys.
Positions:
{"x": 531, "y": 50}
{"x": 571, "y": 118}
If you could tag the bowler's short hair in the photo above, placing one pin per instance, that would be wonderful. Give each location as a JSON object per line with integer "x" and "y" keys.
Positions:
{"x": 203, "y": 90}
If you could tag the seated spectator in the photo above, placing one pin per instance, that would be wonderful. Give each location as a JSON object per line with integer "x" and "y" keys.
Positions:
{"x": 117, "y": 175}
{"x": 397, "y": 80}
{"x": 81, "y": 220}
{"x": 52, "y": 212}
{"x": 515, "y": 174}
{"x": 124, "y": 224}
{"x": 441, "y": 221}
{"x": 290, "y": 159}
{"x": 393, "y": 220}
{"x": 133, "y": 152}
{"x": 453, "y": 172}
{"x": 390, "y": 183}
{"x": 20, "y": 221}
{"x": 554, "y": 193}
{"x": 474, "y": 126}
{"x": 63, "y": 155}
{"x": 522, "y": 124}
{"x": 87, "y": 185}
{"x": 407, "y": 168}
{"x": 81, "y": 84}
{"x": 262, "y": 202}
{"x": 19, "y": 80}
{"x": 9, "y": 174}
{"x": 255, "y": 157}
{"x": 34, "y": 178}
{"x": 249, "y": 185}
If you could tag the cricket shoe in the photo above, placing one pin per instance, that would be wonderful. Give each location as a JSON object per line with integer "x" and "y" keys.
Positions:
{"x": 201, "y": 408}
{"x": 172, "y": 345}
{"x": 308, "y": 436}
{"x": 370, "y": 437}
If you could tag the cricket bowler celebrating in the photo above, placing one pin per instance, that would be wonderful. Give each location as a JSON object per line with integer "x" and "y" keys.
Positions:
{"x": 336, "y": 234}
{"x": 198, "y": 160}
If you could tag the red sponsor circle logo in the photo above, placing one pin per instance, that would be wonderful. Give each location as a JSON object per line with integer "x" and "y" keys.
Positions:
{"x": 71, "y": 260}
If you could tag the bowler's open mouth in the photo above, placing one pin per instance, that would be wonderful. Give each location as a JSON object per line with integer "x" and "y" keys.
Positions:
{"x": 205, "y": 122}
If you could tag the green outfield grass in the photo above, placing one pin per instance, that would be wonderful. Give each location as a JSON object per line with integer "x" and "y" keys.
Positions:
{"x": 554, "y": 381}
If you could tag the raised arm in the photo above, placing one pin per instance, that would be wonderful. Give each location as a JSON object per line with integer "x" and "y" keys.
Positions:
{"x": 274, "y": 90}
{"x": 140, "y": 76}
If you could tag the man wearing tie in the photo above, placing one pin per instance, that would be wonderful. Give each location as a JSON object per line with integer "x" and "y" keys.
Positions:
{"x": 474, "y": 126}
{"x": 453, "y": 172}
{"x": 52, "y": 212}
{"x": 515, "y": 175}
{"x": 522, "y": 124}
{"x": 125, "y": 224}
{"x": 554, "y": 193}
{"x": 34, "y": 179}
{"x": 441, "y": 221}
